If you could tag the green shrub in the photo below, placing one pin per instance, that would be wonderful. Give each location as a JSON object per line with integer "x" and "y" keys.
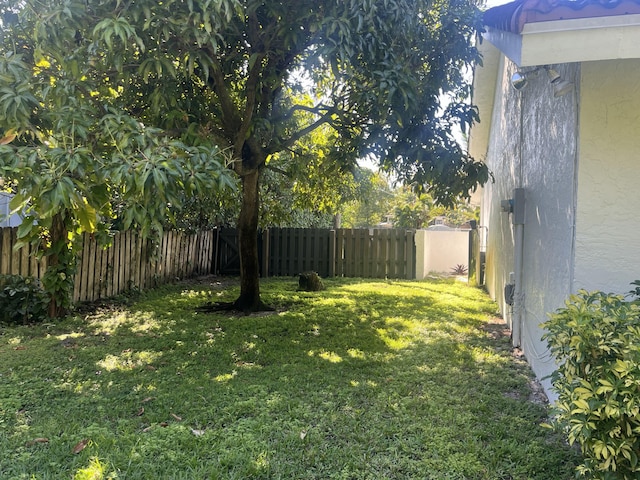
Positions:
{"x": 22, "y": 300}
{"x": 596, "y": 342}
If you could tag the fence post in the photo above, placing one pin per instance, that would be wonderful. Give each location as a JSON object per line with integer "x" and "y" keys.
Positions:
{"x": 332, "y": 253}
{"x": 265, "y": 252}
{"x": 411, "y": 259}
{"x": 5, "y": 260}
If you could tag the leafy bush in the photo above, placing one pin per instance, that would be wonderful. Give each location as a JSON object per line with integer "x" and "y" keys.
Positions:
{"x": 596, "y": 342}
{"x": 22, "y": 299}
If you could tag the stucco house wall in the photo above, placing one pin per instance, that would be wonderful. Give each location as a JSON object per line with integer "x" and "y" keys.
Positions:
{"x": 607, "y": 255}
{"x": 532, "y": 145}
{"x": 575, "y": 156}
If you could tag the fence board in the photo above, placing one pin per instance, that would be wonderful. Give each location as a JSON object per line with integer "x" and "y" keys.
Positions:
{"x": 143, "y": 261}
{"x": 101, "y": 253}
{"x": 24, "y": 262}
{"x": 34, "y": 264}
{"x": 5, "y": 259}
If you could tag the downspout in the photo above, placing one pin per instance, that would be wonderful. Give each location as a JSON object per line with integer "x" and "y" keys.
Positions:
{"x": 518, "y": 254}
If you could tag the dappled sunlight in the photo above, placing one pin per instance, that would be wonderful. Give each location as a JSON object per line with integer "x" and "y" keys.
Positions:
{"x": 145, "y": 388}
{"x": 82, "y": 387}
{"x": 331, "y": 357}
{"x": 262, "y": 462}
{"x": 392, "y": 340}
{"x": 488, "y": 357}
{"x": 399, "y": 333}
{"x": 365, "y": 384}
{"x": 140, "y": 322}
{"x": 225, "y": 377}
{"x": 356, "y": 353}
{"x": 203, "y": 294}
{"x": 23, "y": 422}
{"x": 70, "y": 336}
{"x": 94, "y": 471}
{"x": 128, "y": 360}
{"x": 315, "y": 330}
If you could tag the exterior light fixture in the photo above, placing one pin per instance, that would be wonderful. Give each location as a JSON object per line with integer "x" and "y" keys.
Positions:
{"x": 553, "y": 75}
{"x": 518, "y": 80}
{"x": 560, "y": 86}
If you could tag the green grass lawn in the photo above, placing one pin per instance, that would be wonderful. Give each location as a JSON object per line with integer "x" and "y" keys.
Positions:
{"x": 365, "y": 380}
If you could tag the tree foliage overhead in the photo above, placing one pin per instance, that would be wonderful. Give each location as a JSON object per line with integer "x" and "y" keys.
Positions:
{"x": 220, "y": 70}
{"x": 229, "y": 73}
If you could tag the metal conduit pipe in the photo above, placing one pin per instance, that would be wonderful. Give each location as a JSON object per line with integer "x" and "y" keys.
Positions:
{"x": 518, "y": 254}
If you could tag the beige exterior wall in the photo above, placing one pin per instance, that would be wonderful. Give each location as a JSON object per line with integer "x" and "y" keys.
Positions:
{"x": 440, "y": 251}
{"x": 607, "y": 255}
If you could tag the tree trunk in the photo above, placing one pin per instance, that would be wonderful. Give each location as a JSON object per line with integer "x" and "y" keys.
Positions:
{"x": 56, "y": 256}
{"x": 249, "y": 299}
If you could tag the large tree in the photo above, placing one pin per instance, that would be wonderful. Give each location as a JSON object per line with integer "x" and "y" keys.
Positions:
{"x": 229, "y": 72}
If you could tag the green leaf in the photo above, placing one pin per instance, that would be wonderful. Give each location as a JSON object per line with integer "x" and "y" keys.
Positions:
{"x": 87, "y": 217}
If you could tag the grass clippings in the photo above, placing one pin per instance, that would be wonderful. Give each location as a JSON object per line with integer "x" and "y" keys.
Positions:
{"x": 364, "y": 380}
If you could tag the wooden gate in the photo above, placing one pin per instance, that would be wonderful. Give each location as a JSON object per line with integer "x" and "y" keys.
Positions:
{"x": 228, "y": 258}
{"x": 228, "y": 252}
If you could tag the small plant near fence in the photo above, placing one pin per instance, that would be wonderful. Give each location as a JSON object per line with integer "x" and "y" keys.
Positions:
{"x": 596, "y": 342}
{"x": 22, "y": 300}
{"x": 459, "y": 270}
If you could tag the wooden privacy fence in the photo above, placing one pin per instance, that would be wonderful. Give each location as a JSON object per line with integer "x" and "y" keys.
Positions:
{"x": 132, "y": 262}
{"x": 128, "y": 263}
{"x": 375, "y": 253}
{"x": 21, "y": 261}
{"x": 290, "y": 251}
{"x": 369, "y": 253}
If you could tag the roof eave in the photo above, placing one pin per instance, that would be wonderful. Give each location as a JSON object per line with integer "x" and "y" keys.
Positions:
{"x": 571, "y": 40}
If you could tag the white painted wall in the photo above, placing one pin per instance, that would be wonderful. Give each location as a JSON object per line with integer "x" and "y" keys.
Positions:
{"x": 440, "y": 251}
{"x": 607, "y": 223}
{"x": 532, "y": 145}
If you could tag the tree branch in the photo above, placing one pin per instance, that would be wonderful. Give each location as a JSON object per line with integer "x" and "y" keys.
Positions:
{"x": 301, "y": 133}
{"x": 230, "y": 120}
{"x": 316, "y": 110}
{"x": 249, "y": 106}
{"x": 282, "y": 172}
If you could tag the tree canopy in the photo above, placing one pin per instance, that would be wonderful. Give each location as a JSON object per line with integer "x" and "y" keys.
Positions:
{"x": 231, "y": 74}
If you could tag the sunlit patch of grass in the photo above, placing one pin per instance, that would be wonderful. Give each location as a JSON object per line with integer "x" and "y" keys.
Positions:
{"x": 367, "y": 379}
{"x": 332, "y": 357}
{"x": 70, "y": 335}
{"x": 138, "y": 322}
{"x": 356, "y": 353}
{"x": 95, "y": 471}
{"x": 225, "y": 377}
{"x": 128, "y": 360}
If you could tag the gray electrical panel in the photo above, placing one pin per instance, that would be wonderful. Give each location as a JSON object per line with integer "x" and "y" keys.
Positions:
{"x": 518, "y": 206}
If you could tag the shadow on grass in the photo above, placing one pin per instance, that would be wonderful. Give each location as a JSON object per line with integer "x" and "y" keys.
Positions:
{"x": 367, "y": 379}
